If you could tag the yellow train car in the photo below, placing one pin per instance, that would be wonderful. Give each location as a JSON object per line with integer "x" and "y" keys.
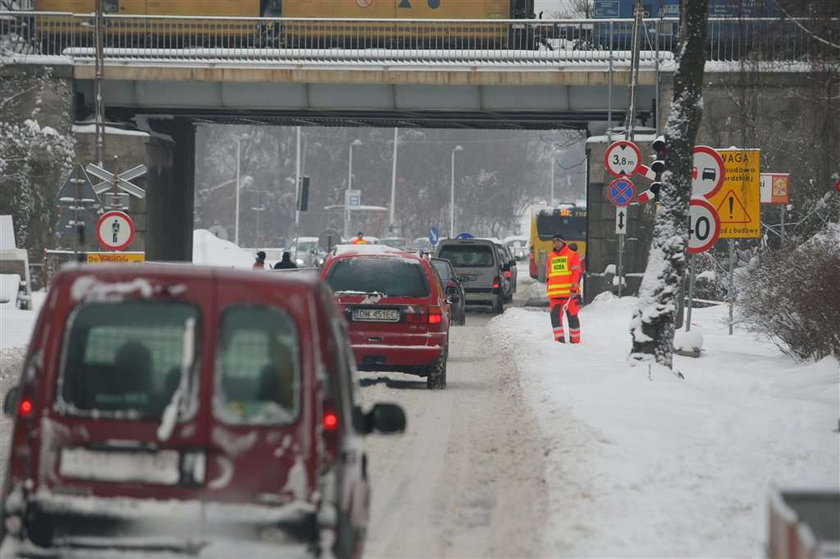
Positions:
{"x": 415, "y": 34}
{"x": 77, "y": 30}
{"x": 120, "y": 30}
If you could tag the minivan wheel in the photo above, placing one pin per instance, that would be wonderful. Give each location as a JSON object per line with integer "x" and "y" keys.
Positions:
{"x": 39, "y": 529}
{"x": 436, "y": 378}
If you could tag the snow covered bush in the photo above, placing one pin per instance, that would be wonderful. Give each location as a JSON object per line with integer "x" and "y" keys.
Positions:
{"x": 792, "y": 295}
{"x": 34, "y": 158}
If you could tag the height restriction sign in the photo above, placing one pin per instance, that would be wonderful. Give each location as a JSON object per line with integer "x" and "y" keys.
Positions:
{"x": 622, "y": 158}
{"x": 115, "y": 230}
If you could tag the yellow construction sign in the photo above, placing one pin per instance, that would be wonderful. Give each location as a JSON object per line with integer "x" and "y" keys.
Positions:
{"x": 109, "y": 257}
{"x": 738, "y": 202}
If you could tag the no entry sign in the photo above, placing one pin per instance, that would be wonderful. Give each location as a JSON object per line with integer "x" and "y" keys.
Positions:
{"x": 115, "y": 230}
{"x": 621, "y": 192}
{"x": 622, "y": 158}
{"x": 703, "y": 226}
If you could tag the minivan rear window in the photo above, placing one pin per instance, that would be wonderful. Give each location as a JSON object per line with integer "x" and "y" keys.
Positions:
{"x": 468, "y": 256}
{"x": 125, "y": 358}
{"x": 258, "y": 367}
{"x": 392, "y": 276}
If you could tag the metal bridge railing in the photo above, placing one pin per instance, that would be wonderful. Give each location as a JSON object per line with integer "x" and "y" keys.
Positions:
{"x": 277, "y": 41}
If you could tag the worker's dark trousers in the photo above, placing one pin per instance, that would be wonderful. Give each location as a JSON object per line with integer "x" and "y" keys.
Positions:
{"x": 572, "y": 307}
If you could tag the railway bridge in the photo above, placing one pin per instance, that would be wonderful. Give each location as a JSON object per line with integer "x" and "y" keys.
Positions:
{"x": 166, "y": 84}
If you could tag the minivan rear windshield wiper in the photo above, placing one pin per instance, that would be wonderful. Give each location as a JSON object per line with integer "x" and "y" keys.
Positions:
{"x": 170, "y": 414}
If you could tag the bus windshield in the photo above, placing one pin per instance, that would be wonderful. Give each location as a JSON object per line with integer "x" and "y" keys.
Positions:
{"x": 571, "y": 228}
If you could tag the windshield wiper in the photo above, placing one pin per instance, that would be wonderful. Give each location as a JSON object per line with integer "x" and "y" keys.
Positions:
{"x": 170, "y": 414}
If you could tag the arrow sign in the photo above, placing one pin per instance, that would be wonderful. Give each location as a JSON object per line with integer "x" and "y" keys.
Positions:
{"x": 621, "y": 221}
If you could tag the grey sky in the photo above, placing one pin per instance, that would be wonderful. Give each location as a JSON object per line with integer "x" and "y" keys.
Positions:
{"x": 549, "y": 6}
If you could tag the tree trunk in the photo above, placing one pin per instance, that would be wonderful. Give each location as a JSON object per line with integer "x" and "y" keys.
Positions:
{"x": 652, "y": 327}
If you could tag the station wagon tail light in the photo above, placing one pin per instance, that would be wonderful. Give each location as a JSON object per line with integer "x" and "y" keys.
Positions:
{"x": 435, "y": 315}
{"x": 330, "y": 421}
{"x": 415, "y": 315}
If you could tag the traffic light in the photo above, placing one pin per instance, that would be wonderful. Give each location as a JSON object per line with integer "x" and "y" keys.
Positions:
{"x": 303, "y": 194}
{"x": 657, "y": 167}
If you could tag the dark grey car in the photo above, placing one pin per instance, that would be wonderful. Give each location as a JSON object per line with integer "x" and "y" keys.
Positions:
{"x": 479, "y": 268}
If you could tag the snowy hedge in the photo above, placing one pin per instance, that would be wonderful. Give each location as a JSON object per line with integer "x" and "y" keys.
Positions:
{"x": 792, "y": 295}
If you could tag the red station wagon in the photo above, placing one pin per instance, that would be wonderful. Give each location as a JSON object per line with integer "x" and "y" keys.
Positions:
{"x": 396, "y": 309}
{"x": 188, "y": 403}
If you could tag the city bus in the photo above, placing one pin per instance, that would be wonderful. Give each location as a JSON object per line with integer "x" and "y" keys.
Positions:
{"x": 566, "y": 220}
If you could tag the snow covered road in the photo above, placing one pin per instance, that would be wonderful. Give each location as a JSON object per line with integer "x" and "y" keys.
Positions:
{"x": 466, "y": 479}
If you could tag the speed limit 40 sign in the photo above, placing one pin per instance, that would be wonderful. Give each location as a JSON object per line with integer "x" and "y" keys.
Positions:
{"x": 703, "y": 226}
{"x": 622, "y": 159}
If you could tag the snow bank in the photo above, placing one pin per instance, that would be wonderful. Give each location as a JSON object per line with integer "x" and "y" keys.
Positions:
{"x": 213, "y": 251}
{"x": 658, "y": 466}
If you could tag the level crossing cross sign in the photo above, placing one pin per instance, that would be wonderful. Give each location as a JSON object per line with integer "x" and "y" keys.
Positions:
{"x": 117, "y": 180}
{"x": 621, "y": 192}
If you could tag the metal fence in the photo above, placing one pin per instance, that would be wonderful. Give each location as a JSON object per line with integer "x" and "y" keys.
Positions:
{"x": 270, "y": 41}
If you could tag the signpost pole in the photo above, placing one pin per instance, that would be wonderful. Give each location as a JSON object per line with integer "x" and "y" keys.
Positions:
{"x": 690, "y": 292}
{"x": 297, "y": 182}
{"x": 99, "y": 76}
{"x": 610, "y": 87}
{"x": 782, "y": 211}
{"x": 731, "y": 284}
{"x": 620, "y": 262}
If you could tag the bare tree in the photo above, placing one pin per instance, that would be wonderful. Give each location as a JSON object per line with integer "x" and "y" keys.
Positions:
{"x": 652, "y": 327}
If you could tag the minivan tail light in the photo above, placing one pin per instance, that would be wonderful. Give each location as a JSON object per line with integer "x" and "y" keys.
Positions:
{"x": 508, "y": 274}
{"x": 25, "y": 407}
{"x": 497, "y": 282}
{"x": 330, "y": 421}
{"x": 435, "y": 315}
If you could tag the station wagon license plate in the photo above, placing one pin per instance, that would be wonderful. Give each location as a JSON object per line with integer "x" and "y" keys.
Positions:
{"x": 376, "y": 315}
{"x": 118, "y": 466}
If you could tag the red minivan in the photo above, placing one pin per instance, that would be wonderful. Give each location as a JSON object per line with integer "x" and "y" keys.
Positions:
{"x": 188, "y": 405}
{"x": 396, "y": 309}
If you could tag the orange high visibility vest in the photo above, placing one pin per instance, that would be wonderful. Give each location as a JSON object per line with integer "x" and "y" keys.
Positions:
{"x": 562, "y": 272}
{"x": 358, "y": 241}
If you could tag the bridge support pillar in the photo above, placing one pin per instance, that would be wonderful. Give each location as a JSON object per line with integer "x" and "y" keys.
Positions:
{"x": 170, "y": 201}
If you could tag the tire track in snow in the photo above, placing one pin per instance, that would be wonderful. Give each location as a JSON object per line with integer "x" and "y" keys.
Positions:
{"x": 467, "y": 478}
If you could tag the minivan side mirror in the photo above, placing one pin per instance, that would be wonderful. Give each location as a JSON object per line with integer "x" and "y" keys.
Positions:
{"x": 385, "y": 418}
{"x": 10, "y": 402}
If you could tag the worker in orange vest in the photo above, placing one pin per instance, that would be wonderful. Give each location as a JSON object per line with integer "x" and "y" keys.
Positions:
{"x": 562, "y": 274}
{"x": 359, "y": 240}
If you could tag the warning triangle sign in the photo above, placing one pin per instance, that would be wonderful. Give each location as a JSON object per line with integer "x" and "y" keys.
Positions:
{"x": 77, "y": 190}
{"x": 732, "y": 210}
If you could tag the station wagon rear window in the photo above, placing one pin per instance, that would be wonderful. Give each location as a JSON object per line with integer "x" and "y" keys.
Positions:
{"x": 258, "y": 367}
{"x": 468, "y": 256}
{"x": 125, "y": 359}
{"x": 392, "y": 276}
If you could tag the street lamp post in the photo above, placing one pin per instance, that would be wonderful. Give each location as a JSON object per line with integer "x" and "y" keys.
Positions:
{"x": 236, "y": 219}
{"x": 354, "y": 143}
{"x": 452, "y": 194}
